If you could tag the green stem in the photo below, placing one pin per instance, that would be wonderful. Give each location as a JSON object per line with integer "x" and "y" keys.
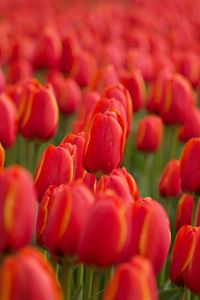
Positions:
{"x": 66, "y": 277}
{"x": 80, "y": 275}
{"x": 95, "y": 286}
{"x": 195, "y": 210}
{"x": 89, "y": 279}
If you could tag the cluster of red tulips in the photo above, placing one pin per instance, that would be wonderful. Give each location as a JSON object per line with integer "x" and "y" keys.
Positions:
{"x": 99, "y": 150}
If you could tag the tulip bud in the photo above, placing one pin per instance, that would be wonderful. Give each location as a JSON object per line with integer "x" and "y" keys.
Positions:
{"x": 132, "y": 280}
{"x": 2, "y": 156}
{"x": 83, "y": 68}
{"x": 156, "y": 92}
{"x": 149, "y": 232}
{"x": 8, "y": 117}
{"x": 121, "y": 182}
{"x": 191, "y": 127}
{"x": 177, "y": 101}
{"x": 19, "y": 70}
{"x": 182, "y": 253}
{"x": 28, "y": 275}
{"x": 78, "y": 140}
{"x": 149, "y": 133}
{"x": 67, "y": 91}
{"x": 48, "y": 49}
{"x": 55, "y": 167}
{"x": 120, "y": 93}
{"x": 189, "y": 166}
{"x": 105, "y": 231}
{"x": 184, "y": 211}
{"x": 135, "y": 85}
{"x": 61, "y": 217}
{"x": 103, "y": 78}
{"x": 70, "y": 47}
{"x": 192, "y": 273}
{"x": 105, "y": 140}
{"x": 38, "y": 112}
{"x": 170, "y": 183}
{"x": 18, "y": 203}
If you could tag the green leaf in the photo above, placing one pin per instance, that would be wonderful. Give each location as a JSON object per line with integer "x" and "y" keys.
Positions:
{"x": 172, "y": 294}
{"x": 78, "y": 293}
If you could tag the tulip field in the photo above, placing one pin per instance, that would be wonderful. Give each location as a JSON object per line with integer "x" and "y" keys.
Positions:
{"x": 99, "y": 150}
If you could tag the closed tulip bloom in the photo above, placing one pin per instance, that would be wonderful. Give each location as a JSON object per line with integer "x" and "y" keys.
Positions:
{"x": 177, "y": 101}
{"x": 28, "y": 275}
{"x": 121, "y": 182}
{"x": 38, "y": 111}
{"x": 67, "y": 91}
{"x": 156, "y": 91}
{"x": 2, "y": 156}
{"x": 184, "y": 211}
{"x": 104, "y": 77}
{"x": 48, "y": 49}
{"x": 17, "y": 208}
{"x": 8, "y": 125}
{"x": 191, "y": 127}
{"x": 104, "y": 104}
{"x": 192, "y": 273}
{"x": 84, "y": 67}
{"x": 149, "y": 133}
{"x": 170, "y": 182}
{"x": 19, "y": 70}
{"x": 55, "y": 167}
{"x": 182, "y": 253}
{"x": 121, "y": 93}
{"x": 61, "y": 217}
{"x": 105, "y": 232}
{"x": 132, "y": 280}
{"x": 189, "y": 166}
{"x": 134, "y": 83}
{"x": 149, "y": 232}
{"x": 78, "y": 140}
{"x": 105, "y": 140}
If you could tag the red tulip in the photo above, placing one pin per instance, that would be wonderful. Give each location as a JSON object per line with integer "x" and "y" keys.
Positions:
{"x": 105, "y": 231}
{"x": 170, "y": 182}
{"x": 191, "y": 127}
{"x": 149, "y": 133}
{"x": 48, "y": 49}
{"x": 132, "y": 280}
{"x": 61, "y": 217}
{"x": 78, "y": 140}
{"x": 38, "y": 111}
{"x": 120, "y": 93}
{"x": 182, "y": 253}
{"x": 121, "y": 182}
{"x": 184, "y": 211}
{"x": 28, "y": 275}
{"x": 104, "y": 77}
{"x": 67, "y": 91}
{"x": 177, "y": 101}
{"x": 135, "y": 85}
{"x": 84, "y": 67}
{"x": 189, "y": 166}
{"x": 8, "y": 116}
{"x": 149, "y": 232}
{"x": 55, "y": 167}
{"x": 105, "y": 140}
{"x": 192, "y": 273}
{"x": 17, "y": 208}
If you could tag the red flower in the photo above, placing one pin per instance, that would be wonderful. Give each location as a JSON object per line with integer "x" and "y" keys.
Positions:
{"x": 28, "y": 275}
{"x": 17, "y": 208}
{"x": 132, "y": 280}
